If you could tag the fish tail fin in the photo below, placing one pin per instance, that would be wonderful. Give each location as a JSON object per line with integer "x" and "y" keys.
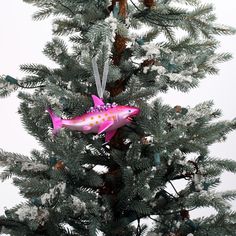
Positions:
{"x": 56, "y": 121}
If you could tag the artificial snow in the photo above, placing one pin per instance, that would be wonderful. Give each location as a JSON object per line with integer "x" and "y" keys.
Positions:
{"x": 197, "y": 182}
{"x": 112, "y": 22}
{"x": 7, "y": 86}
{"x": 178, "y": 153}
{"x": 58, "y": 51}
{"x": 152, "y": 234}
{"x": 160, "y": 69}
{"x": 55, "y": 27}
{"x": 54, "y": 100}
{"x": 69, "y": 85}
{"x": 152, "y": 49}
{"x": 145, "y": 69}
{"x": 49, "y": 197}
{"x": 42, "y": 217}
{"x": 178, "y": 224}
{"x": 32, "y": 213}
{"x": 179, "y": 77}
{"x": 149, "y": 139}
{"x": 201, "y": 110}
{"x": 34, "y": 167}
{"x": 78, "y": 205}
{"x": 127, "y": 22}
{"x": 27, "y": 212}
{"x": 212, "y": 196}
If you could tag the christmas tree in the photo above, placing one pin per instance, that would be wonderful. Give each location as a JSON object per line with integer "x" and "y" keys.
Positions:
{"x": 111, "y": 149}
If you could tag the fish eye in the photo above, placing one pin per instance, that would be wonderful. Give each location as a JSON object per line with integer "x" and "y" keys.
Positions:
{"x": 130, "y": 111}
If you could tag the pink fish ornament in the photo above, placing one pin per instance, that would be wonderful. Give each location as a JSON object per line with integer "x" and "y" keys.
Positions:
{"x": 100, "y": 118}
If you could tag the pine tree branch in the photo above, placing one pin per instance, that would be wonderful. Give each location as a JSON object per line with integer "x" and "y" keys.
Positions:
{"x": 195, "y": 166}
{"x": 33, "y": 87}
{"x": 73, "y": 13}
{"x": 12, "y": 224}
{"x": 149, "y": 19}
{"x": 157, "y": 221}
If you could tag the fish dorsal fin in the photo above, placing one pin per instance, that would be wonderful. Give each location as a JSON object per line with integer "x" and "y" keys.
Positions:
{"x": 97, "y": 101}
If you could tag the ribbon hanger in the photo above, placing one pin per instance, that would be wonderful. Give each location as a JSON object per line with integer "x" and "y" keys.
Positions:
{"x": 101, "y": 85}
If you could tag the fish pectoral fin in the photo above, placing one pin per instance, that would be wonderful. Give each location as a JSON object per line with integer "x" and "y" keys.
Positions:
{"x": 109, "y": 135}
{"x": 86, "y": 128}
{"x": 97, "y": 101}
{"x": 105, "y": 125}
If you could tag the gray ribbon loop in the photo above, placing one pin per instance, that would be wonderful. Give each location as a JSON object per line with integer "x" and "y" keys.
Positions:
{"x": 105, "y": 75}
{"x": 101, "y": 86}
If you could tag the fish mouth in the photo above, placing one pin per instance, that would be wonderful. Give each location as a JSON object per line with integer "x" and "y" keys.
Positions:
{"x": 130, "y": 118}
{"x": 133, "y": 114}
